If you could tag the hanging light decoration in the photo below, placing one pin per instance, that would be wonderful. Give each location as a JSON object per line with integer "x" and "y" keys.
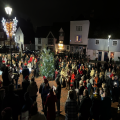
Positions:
{"x": 10, "y": 27}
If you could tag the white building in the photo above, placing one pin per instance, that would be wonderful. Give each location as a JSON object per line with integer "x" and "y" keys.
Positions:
{"x": 79, "y": 36}
{"x": 23, "y": 40}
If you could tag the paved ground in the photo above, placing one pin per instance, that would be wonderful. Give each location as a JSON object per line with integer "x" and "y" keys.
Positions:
{"x": 39, "y": 80}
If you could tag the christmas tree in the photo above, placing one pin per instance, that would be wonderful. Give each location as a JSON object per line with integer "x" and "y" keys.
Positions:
{"x": 47, "y": 68}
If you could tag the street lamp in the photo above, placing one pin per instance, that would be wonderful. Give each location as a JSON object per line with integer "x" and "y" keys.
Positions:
{"x": 9, "y": 26}
{"x": 109, "y": 36}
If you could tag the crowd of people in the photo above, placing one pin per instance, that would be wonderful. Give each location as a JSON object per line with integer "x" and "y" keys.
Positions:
{"x": 91, "y": 89}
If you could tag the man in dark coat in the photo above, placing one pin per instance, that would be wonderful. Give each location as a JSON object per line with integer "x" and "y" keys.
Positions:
{"x": 12, "y": 100}
{"x": 96, "y": 106}
{"x": 58, "y": 94}
{"x": 25, "y": 84}
{"x": 25, "y": 71}
{"x": 85, "y": 105}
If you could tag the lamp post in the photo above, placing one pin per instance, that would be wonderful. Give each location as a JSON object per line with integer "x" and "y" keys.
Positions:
{"x": 9, "y": 11}
{"x": 109, "y": 36}
{"x": 9, "y": 27}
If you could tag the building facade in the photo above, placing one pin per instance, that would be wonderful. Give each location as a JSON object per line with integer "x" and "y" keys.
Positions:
{"x": 79, "y": 36}
{"x": 22, "y": 42}
{"x": 103, "y": 48}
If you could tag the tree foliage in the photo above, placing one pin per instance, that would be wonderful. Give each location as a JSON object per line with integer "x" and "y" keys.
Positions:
{"x": 47, "y": 68}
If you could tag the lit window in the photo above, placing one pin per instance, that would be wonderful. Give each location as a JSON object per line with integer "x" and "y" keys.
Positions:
{"x": 78, "y": 38}
{"x": 78, "y": 28}
{"x": 114, "y": 43}
{"x": 97, "y": 42}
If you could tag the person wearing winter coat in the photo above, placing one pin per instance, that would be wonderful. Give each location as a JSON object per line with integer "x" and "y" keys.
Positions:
{"x": 50, "y": 104}
{"x": 32, "y": 89}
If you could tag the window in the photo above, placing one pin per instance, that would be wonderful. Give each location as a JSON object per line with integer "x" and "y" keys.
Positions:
{"x": 39, "y": 41}
{"x": 97, "y": 42}
{"x": 50, "y": 41}
{"x": 78, "y": 28}
{"x": 39, "y": 47}
{"x": 78, "y": 38}
{"x": 1, "y": 34}
{"x": 114, "y": 43}
{"x": 67, "y": 47}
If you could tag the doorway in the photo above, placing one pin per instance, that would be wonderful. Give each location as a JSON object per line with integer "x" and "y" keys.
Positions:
{"x": 105, "y": 55}
{"x": 99, "y": 56}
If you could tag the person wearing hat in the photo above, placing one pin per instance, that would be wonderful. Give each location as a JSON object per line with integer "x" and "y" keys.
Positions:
{"x": 58, "y": 94}
{"x": 41, "y": 88}
{"x": 45, "y": 91}
{"x": 25, "y": 71}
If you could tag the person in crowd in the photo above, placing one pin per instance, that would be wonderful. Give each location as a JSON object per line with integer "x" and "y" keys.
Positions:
{"x": 88, "y": 86}
{"x": 45, "y": 91}
{"x": 27, "y": 59}
{"x": 6, "y": 77}
{"x": 40, "y": 90}
{"x": 25, "y": 84}
{"x": 35, "y": 115}
{"x": 7, "y": 114}
{"x": 108, "y": 73}
{"x": 28, "y": 104}
{"x": 58, "y": 95}
{"x": 80, "y": 92}
{"x": 2, "y": 94}
{"x": 85, "y": 105}
{"x": 77, "y": 79}
{"x": 25, "y": 71}
{"x": 80, "y": 71}
{"x": 106, "y": 107}
{"x": 72, "y": 79}
{"x": 50, "y": 104}
{"x": 12, "y": 100}
{"x": 92, "y": 72}
{"x": 95, "y": 82}
{"x": 72, "y": 89}
{"x": 32, "y": 89}
{"x": 95, "y": 110}
{"x": 71, "y": 108}
{"x": 16, "y": 77}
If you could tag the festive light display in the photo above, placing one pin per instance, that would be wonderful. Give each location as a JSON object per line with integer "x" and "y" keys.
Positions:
{"x": 10, "y": 26}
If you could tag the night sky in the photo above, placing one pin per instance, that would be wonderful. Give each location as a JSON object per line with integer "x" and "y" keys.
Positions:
{"x": 45, "y": 12}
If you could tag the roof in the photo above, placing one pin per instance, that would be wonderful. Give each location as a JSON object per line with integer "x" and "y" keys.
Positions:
{"x": 42, "y": 32}
{"x": 103, "y": 28}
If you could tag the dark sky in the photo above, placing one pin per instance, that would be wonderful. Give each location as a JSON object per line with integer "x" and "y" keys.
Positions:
{"x": 45, "y": 12}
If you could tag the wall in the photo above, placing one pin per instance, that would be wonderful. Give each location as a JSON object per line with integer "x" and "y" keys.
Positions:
{"x": 103, "y": 45}
{"x": 92, "y": 56}
{"x": 21, "y": 41}
{"x": 84, "y": 32}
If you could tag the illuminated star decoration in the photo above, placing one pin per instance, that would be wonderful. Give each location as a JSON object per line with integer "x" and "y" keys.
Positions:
{"x": 10, "y": 27}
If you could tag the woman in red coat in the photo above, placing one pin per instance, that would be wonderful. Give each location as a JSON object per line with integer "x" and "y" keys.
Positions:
{"x": 50, "y": 103}
{"x": 80, "y": 71}
{"x": 72, "y": 79}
